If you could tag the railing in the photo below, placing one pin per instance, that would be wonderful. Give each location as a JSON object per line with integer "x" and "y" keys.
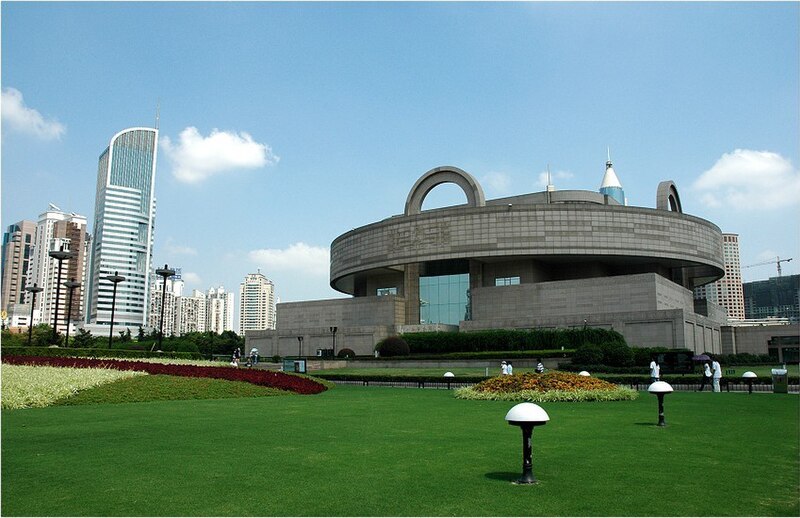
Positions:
{"x": 681, "y": 387}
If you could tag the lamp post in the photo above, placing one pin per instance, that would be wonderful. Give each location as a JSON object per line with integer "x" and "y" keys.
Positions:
{"x": 749, "y": 376}
{"x": 71, "y": 285}
{"x": 660, "y": 389}
{"x": 33, "y": 291}
{"x": 333, "y": 331}
{"x": 115, "y": 279}
{"x": 299, "y": 346}
{"x": 166, "y": 273}
{"x": 58, "y": 255}
{"x": 527, "y": 416}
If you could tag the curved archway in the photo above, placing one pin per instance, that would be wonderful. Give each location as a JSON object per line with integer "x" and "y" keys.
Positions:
{"x": 438, "y": 176}
{"x": 667, "y": 197}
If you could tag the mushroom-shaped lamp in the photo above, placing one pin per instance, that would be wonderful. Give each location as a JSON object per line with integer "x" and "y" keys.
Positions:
{"x": 449, "y": 374}
{"x": 749, "y": 376}
{"x": 583, "y": 373}
{"x": 526, "y": 416}
{"x": 660, "y": 389}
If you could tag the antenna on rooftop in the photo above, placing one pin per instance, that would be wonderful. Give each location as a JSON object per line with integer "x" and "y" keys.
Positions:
{"x": 158, "y": 109}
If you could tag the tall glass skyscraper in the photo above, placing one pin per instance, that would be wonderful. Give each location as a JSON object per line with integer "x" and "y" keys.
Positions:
{"x": 123, "y": 228}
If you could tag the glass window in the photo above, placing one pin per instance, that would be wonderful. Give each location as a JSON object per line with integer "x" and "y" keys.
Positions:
{"x": 506, "y": 281}
{"x": 387, "y": 291}
{"x": 444, "y": 299}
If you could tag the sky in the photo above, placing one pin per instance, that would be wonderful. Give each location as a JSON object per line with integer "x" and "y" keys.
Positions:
{"x": 284, "y": 125}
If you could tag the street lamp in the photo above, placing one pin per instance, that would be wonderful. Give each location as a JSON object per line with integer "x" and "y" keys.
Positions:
{"x": 749, "y": 376}
{"x": 33, "y": 291}
{"x": 166, "y": 273}
{"x": 333, "y": 331}
{"x": 526, "y": 416}
{"x": 660, "y": 389}
{"x": 58, "y": 255}
{"x": 116, "y": 279}
{"x": 299, "y": 346}
{"x": 71, "y": 285}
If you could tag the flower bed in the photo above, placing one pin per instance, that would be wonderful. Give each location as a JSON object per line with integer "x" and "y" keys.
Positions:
{"x": 27, "y": 386}
{"x": 551, "y": 386}
{"x": 279, "y": 380}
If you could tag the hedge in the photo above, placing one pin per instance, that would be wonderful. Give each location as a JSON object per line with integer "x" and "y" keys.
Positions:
{"x": 94, "y": 353}
{"x": 389, "y": 377}
{"x": 507, "y": 340}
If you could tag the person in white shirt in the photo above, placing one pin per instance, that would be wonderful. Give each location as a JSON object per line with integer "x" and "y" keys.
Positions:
{"x": 510, "y": 369}
{"x": 655, "y": 370}
{"x": 717, "y": 368}
{"x": 504, "y": 368}
{"x": 539, "y": 366}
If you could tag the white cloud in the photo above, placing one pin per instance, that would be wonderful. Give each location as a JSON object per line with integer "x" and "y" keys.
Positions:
{"x": 298, "y": 258}
{"x": 195, "y": 158}
{"x": 498, "y": 183}
{"x": 554, "y": 176}
{"x": 19, "y": 117}
{"x": 750, "y": 180}
{"x": 175, "y": 249}
{"x": 191, "y": 279}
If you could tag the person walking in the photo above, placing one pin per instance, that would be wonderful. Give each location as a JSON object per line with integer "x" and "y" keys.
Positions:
{"x": 539, "y": 366}
{"x": 510, "y": 369}
{"x": 717, "y": 374}
{"x": 503, "y": 368}
{"x": 706, "y": 376}
{"x": 237, "y": 354}
{"x": 655, "y": 371}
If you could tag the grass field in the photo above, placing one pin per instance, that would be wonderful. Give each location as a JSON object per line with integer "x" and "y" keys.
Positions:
{"x": 369, "y": 451}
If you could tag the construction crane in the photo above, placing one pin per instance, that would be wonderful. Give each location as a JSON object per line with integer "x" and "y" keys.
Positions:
{"x": 777, "y": 261}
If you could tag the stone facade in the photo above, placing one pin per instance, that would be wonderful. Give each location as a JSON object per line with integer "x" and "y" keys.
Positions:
{"x": 571, "y": 258}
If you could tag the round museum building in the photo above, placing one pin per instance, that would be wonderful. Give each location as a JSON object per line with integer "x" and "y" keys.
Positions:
{"x": 541, "y": 260}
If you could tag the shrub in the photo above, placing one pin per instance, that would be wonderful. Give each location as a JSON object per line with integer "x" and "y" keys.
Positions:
{"x": 393, "y": 346}
{"x": 617, "y": 354}
{"x": 346, "y": 353}
{"x": 507, "y": 340}
{"x": 551, "y": 386}
{"x": 588, "y": 353}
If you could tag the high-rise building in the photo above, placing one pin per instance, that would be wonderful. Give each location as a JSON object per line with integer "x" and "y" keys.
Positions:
{"x": 256, "y": 303}
{"x": 219, "y": 310}
{"x": 57, "y": 230}
{"x": 123, "y": 229}
{"x": 17, "y": 251}
{"x": 171, "y": 300}
{"x": 192, "y": 313}
{"x": 776, "y": 297}
{"x": 727, "y": 291}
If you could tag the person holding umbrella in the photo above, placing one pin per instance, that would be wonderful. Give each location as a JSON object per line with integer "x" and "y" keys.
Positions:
{"x": 706, "y": 376}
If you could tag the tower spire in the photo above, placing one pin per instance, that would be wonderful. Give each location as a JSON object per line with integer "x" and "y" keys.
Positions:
{"x": 158, "y": 109}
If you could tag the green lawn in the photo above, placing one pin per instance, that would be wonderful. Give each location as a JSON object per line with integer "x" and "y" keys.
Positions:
{"x": 369, "y": 451}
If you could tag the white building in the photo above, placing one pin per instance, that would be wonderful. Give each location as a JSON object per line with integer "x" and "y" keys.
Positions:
{"x": 727, "y": 291}
{"x": 256, "y": 303}
{"x": 123, "y": 229}
{"x": 172, "y": 305}
{"x": 192, "y": 313}
{"x": 219, "y": 310}
{"x": 57, "y": 230}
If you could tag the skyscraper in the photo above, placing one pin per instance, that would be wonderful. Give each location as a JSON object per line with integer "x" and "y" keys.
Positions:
{"x": 172, "y": 306}
{"x": 727, "y": 291}
{"x": 18, "y": 242}
{"x": 219, "y": 310}
{"x": 192, "y": 313}
{"x": 123, "y": 228}
{"x": 256, "y": 303}
{"x": 54, "y": 230}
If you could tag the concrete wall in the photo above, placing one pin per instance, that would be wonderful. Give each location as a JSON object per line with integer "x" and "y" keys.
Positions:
{"x": 347, "y": 312}
{"x": 755, "y": 339}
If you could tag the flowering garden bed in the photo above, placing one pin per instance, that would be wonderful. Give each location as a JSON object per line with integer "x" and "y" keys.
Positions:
{"x": 278, "y": 380}
{"x": 550, "y": 386}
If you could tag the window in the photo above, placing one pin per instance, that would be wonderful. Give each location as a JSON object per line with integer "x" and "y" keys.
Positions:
{"x": 387, "y": 291}
{"x": 506, "y": 281}
{"x": 444, "y": 299}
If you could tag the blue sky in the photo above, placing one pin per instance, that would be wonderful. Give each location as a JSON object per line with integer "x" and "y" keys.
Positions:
{"x": 284, "y": 125}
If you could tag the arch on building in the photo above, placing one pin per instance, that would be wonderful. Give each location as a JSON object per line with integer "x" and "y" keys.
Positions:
{"x": 667, "y": 197}
{"x": 438, "y": 176}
